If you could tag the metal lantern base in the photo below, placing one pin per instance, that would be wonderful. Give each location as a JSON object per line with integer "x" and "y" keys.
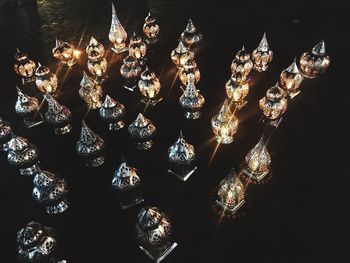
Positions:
{"x": 27, "y": 80}
{"x": 63, "y": 130}
{"x": 32, "y": 170}
{"x": 144, "y": 145}
{"x": 33, "y": 121}
{"x": 59, "y": 208}
{"x": 116, "y": 126}
{"x": 119, "y": 50}
{"x": 151, "y": 102}
{"x": 137, "y": 201}
{"x": 183, "y": 177}
{"x": 158, "y": 256}
{"x": 193, "y": 115}
{"x": 151, "y": 41}
{"x": 229, "y": 210}
{"x": 98, "y": 161}
{"x": 255, "y": 176}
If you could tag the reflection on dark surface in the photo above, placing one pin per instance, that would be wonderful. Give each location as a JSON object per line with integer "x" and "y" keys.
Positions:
{"x": 301, "y": 213}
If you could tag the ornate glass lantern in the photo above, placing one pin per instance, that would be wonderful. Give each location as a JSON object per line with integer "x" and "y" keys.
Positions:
{"x": 242, "y": 63}
{"x": 315, "y": 62}
{"x": 262, "y": 55}
{"x": 131, "y": 71}
{"x": 57, "y": 115}
{"x": 46, "y": 81}
{"x": 225, "y": 124}
{"x": 5, "y": 134}
{"x": 97, "y": 64}
{"x": 51, "y": 192}
{"x": 142, "y": 131}
{"x": 23, "y": 155}
{"x": 257, "y": 161}
{"x": 24, "y": 67}
{"x": 230, "y": 196}
{"x": 37, "y": 243}
{"x": 64, "y": 52}
{"x": 137, "y": 48}
{"x": 28, "y": 108}
{"x": 149, "y": 86}
{"x": 90, "y": 147}
{"x": 127, "y": 185}
{"x": 154, "y": 233}
{"x": 274, "y": 104}
{"x": 192, "y": 101}
{"x": 113, "y": 113}
{"x": 291, "y": 79}
{"x": 189, "y": 72}
{"x": 181, "y": 54}
{"x": 150, "y": 29}
{"x": 117, "y": 34}
{"x": 182, "y": 159}
{"x": 191, "y": 36}
{"x": 91, "y": 92}
{"x": 237, "y": 89}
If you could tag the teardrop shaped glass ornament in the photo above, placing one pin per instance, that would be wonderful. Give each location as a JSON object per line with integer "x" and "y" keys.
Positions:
{"x": 117, "y": 34}
{"x": 257, "y": 161}
{"x": 230, "y": 196}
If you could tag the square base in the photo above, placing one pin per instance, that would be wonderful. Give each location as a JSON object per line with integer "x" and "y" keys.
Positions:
{"x": 254, "y": 176}
{"x": 151, "y": 102}
{"x": 240, "y": 105}
{"x": 131, "y": 87}
{"x": 292, "y": 95}
{"x": 119, "y": 51}
{"x": 231, "y": 211}
{"x": 32, "y": 122}
{"x": 183, "y": 177}
{"x": 136, "y": 202}
{"x": 162, "y": 255}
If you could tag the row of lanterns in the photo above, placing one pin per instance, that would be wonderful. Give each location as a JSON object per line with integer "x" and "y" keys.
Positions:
{"x": 153, "y": 227}
{"x": 230, "y": 196}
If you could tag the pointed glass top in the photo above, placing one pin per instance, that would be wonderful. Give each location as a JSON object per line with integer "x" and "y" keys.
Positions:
{"x": 320, "y": 48}
{"x": 87, "y": 136}
{"x": 264, "y": 45}
{"x": 109, "y": 102}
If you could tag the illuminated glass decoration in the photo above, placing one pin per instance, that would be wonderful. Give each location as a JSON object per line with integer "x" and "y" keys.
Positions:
{"x": 291, "y": 79}
{"x": 181, "y": 54}
{"x": 230, "y": 196}
{"x": 315, "y": 62}
{"x": 24, "y": 67}
{"x": 117, "y": 34}
{"x": 262, "y": 55}
{"x": 225, "y": 124}
{"x": 192, "y": 101}
{"x": 257, "y": 161}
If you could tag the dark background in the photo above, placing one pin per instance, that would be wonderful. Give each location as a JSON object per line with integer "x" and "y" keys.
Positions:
{"x": 301, "y": 213}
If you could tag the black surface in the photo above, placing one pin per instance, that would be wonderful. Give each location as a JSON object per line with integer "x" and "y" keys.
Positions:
{"x": 300, "y": 214}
